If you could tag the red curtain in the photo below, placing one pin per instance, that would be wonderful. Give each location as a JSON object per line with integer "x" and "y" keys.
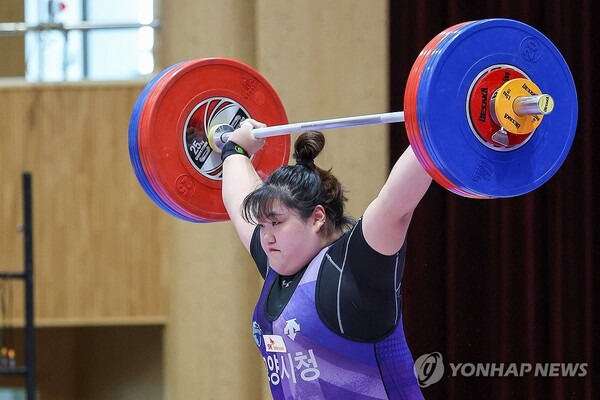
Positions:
{"x": 507, "y": 280}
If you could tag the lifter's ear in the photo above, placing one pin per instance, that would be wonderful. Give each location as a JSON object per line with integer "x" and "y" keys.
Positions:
{"x": 319, "y": 218}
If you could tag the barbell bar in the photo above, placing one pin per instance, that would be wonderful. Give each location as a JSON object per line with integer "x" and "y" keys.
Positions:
{"x": 218, "y": 135}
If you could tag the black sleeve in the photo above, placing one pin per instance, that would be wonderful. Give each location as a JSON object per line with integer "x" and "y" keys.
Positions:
{"x": 370, "y": 269}
{"x": 369, "y": 298}
{"x": 258, "y": 254}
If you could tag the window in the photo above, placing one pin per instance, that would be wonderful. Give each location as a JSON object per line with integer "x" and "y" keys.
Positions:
{"x": 89, "y": 39}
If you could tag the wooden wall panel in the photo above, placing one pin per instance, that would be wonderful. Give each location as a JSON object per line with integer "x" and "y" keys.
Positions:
{"x": 209, "y": 351}
{"x": 325, "y": 59}
{"x": 12, "y": 48}
{"x": 200, "y": 29}
{"x": 105, "y": 253}
{"x": 97, "y": 237}
{"x": 329, "y": 59}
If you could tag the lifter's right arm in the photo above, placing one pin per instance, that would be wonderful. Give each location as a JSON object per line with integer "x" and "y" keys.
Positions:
{"x": 240, "y": 178}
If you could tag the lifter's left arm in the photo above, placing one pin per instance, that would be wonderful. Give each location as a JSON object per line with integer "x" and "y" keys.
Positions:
{"x": 386, "y": 219}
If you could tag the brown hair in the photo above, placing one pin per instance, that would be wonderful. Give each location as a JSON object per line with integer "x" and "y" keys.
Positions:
{"x": 301, "y": 188}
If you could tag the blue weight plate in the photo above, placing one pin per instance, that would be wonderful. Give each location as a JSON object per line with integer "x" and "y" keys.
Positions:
{"x": 442, "y": 104}
{"x": 412, "y": 114}
{"x": 134, "y": 155}
{"x": 423, "y": 117}
{"x": 458, "y": 189}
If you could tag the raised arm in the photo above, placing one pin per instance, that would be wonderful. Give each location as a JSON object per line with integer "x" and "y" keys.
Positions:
{"x": 386, "y": 219}
{"x": 240, "y": 178}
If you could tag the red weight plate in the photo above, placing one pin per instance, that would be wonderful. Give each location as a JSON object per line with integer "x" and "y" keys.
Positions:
{"x": 411, "y": 116}
{"x": 479, "y": 104}
{"x": 179, "y": 112}
{"x": 144, "y": 160}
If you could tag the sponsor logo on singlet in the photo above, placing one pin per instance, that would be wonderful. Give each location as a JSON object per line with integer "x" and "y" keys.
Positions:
{"x": 291, "y": 328}
{"x": 274, "y": 344}
{"x": 257, "y": 333}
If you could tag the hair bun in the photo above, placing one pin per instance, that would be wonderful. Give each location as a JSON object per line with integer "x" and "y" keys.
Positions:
{"x": 307, "y": 147}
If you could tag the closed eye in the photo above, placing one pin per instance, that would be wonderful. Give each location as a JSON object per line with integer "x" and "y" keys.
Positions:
{"x": 273, "y": 223}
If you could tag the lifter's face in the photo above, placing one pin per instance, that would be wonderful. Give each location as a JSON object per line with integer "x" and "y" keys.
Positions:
{"x": 289, "y": 241}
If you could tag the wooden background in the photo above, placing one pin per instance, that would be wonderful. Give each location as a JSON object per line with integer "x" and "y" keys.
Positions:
{"x": 325, "y": 59}
{"x": 12, "y": 48}
{"x": 112, "y": 269}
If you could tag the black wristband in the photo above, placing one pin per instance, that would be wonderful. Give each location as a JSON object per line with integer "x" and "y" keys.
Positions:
{"x": 232, "y": 148}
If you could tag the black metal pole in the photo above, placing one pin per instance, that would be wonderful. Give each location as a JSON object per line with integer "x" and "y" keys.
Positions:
{"x": 28, "y": 248}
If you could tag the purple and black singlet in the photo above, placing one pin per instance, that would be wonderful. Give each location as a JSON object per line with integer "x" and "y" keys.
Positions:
{"x": 334, "y": 330}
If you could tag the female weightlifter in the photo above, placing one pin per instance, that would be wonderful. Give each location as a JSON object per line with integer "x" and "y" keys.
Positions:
{"x": 328, "y": 321}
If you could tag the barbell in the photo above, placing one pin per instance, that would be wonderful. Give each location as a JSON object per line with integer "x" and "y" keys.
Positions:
{"x": 490, "y": 110}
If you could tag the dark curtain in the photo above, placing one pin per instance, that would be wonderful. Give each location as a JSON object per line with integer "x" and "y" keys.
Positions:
{"x": 507, "y": 280}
